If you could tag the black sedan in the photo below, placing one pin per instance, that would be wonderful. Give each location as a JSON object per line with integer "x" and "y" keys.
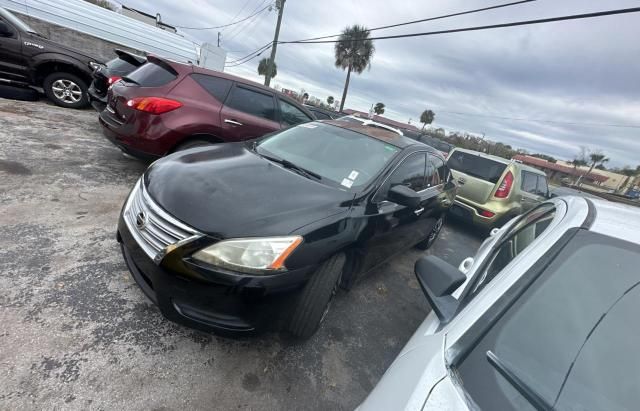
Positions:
{"x": 105, "y": 75}
{"x": 243, "y": 237}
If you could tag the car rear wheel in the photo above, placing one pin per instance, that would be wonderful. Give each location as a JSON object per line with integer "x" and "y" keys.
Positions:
{"x": 315, "y": 299}
{"x": 66, "y": 90}
{"x": 433, "y": 235}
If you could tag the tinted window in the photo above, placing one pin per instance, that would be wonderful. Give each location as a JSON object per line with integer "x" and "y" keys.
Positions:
{"x": 410, "y": 173}
{"x": 515, "y": 241}
{"x": 476, "y": 166}
{"x": 291, "y": 115}
{"x": 572, "y": 337}
{"x": 343, "y": 157}
{"x": 151, "y": 75}
{"x": 437, "y": 172}
{"x": 117, "y": 65}
{"x": 529, "y": 182}
{"x": 320, "y": 115}
{"x": 252, "y": 102}
{"x": 543, "y": 188}
{"x": 218, "y": 87}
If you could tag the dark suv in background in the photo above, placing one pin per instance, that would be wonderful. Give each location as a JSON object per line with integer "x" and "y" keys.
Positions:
{"x": 165, "y": 106}
{"x": 29, "y": 59}
{"x": 105, "y": 75}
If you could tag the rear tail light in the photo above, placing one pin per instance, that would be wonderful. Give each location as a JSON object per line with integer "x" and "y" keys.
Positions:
{"x": 113, "y": 79}
{"x": 154, "y": 105}
{"x": 486, "y": 213}
{"x": 505, "y": 187}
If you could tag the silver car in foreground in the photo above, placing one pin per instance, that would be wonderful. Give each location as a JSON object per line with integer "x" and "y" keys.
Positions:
{"x": 545, "y": 316}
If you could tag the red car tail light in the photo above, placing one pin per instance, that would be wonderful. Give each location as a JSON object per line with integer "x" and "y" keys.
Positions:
{"x": 154, "y": 105}
{"x": 505, "y": 187}
{"x": 113, "y": 79}
{"x": 486, "y": 213}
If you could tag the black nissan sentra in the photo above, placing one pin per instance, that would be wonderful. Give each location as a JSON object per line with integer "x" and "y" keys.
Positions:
{"x": 243, "y": 237}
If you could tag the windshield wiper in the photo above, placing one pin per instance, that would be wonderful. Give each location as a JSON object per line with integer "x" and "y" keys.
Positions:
{"x": 288, "y": 164}
{"x": 525, "y": 390}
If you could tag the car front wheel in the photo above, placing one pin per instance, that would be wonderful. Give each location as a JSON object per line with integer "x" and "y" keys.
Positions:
{"x": 66, "y": 90}
{"x": 315, "y": 299}
{"x": 433, "y": 235}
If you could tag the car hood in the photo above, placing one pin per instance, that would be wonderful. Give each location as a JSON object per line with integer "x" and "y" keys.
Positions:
{"x": 227, "y": 191}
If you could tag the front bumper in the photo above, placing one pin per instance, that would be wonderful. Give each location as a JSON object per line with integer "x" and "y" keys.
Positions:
{"x": 210, "y": 299}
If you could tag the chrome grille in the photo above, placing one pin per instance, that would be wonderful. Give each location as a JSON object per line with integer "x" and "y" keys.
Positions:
{"x": 153, "y": 228}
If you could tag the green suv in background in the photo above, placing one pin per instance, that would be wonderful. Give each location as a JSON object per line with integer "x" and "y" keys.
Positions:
{"x": 492, "y": 190}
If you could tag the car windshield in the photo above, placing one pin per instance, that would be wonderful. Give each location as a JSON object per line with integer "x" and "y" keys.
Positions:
{"x": 476, "y": 166}
{"x": 21, "y": 25}
{"x": 343, "y": 157}
{"x": 571, "y": 337}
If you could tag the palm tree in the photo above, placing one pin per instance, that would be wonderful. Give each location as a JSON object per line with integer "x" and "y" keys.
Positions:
{"x": 263, "y": 68}
{"x": 595, "y": 158}
{"x": 330, "y": 100}
{"x": 353, "y": 52}
{"x": 427, "y": 117}
{"x": 379, "y": 109}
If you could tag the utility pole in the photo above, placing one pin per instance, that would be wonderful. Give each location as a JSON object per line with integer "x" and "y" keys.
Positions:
{"x": 274, "y": 46}
{"x": 219, "y": 39}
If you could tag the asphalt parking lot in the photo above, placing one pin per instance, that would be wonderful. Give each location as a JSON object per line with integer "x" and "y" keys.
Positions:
{"x": 77, "y": 333}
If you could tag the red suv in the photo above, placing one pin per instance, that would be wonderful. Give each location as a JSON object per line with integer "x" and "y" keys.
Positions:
{"x": 164, "y": 106}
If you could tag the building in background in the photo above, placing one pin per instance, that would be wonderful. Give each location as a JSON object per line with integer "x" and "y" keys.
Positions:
{"x": 557, "y": 172}
{"x": 147, "y": 18}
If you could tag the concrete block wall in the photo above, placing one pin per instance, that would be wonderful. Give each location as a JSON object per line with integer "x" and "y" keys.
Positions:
{"x": 93, "y": 46}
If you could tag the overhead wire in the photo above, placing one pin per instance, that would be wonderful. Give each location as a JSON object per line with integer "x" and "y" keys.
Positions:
{"x": 225, "y": 25}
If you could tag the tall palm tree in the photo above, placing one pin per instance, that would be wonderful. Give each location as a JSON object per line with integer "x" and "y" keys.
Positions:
{"x": 379, "y": 109}
{"x": 427, "y": 117}
{"x": 353, "y": 52}
{"x": 595, "y": 158}
{"x": 330, "y": 100}
{"x": 263, "y": 68}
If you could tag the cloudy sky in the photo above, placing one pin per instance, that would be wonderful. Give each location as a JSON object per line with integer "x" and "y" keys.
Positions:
{"x": 493, "y": 82}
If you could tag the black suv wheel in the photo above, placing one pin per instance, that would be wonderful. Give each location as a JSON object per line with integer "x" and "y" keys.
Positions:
{"x": 66, "y": 90}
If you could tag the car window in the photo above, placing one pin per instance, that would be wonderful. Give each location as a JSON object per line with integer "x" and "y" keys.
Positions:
{"x": 252, "y": 102}
{"x": 543, "y": 188}
{"x": 218, "y": 87}
{"x": 320, "y": 115}
{"x": 151, "y": 75}
{"x": 291, "y": 115}
{"x": 437, "y": 172}
{"x": 514, "y": 242}
{"x": 410, "y": 173}
{"x": 529, "y": 182}
{"x": 476, "y": 166}
{"x": 571, "y": 337}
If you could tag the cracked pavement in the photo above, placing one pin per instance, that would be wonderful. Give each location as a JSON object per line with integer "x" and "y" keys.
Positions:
{"x": 77, "y": 333}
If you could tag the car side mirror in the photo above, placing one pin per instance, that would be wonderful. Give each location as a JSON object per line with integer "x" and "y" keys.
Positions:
{"x": 404, "y": 196}
{"x": 5, "y": 30}
{"x": 438, "y": 280}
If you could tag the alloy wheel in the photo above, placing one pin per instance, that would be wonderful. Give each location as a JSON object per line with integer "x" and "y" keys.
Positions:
{"x": 66, "y": 91}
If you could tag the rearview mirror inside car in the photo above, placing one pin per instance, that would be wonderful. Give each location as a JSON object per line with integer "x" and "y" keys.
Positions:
{"x": 438, "y": 280}
{"x": 403, "y": 195}
{"x": 5, "y": 31}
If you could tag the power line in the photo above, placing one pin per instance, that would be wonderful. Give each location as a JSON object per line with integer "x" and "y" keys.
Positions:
{"x": 240, "y": 11}
{"x": 444, "y": 16}
{"x": 226, "y": 25}
{"x": 491, "y": 26}
{"x": 542, "y": 120}
{"x": 242, "y": 27}
{"x": 249, "y": 56}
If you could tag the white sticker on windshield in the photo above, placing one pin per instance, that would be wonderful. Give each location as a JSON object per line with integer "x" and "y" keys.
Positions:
{"x": 308, "y": 125}
{"x": 353, "y": 175}
{"x": 347, "y": 183}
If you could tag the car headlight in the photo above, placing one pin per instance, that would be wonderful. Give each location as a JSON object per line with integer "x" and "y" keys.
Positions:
{"x": 250, "y": 255}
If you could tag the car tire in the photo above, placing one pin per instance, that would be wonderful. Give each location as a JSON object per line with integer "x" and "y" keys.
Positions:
{"x": 18, "y": 93}
{"x": 192, "y": 144}
{"x": 66, "y": 90}
{"x": 316, "y": 297}
{"x": 433, "y": 235}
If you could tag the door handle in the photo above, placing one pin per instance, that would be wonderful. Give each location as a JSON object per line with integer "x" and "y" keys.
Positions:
{"x": 418, "y": 211}
{"x": 235, "y": 123}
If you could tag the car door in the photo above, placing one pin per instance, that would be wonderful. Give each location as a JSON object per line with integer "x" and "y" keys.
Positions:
{"x": 291, "y": 115}
{"x": 395, "y": 227}
{"x": 441, "y": 183}
{"x": 248, "y": 112}
{"x": 529, "y": 194}
{"x": 13, "y": 65}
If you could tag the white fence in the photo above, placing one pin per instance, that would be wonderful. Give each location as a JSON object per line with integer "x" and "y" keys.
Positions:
{"x": 87, "y": 18}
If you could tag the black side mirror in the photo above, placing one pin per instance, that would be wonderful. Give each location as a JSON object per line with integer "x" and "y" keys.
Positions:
{"x": 5, "y": 30}
{"x": 403, "y": 195}
{"x": 438, "y": 280}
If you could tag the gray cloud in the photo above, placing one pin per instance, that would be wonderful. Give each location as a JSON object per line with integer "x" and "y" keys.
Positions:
{"x": 580, "y": 72}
